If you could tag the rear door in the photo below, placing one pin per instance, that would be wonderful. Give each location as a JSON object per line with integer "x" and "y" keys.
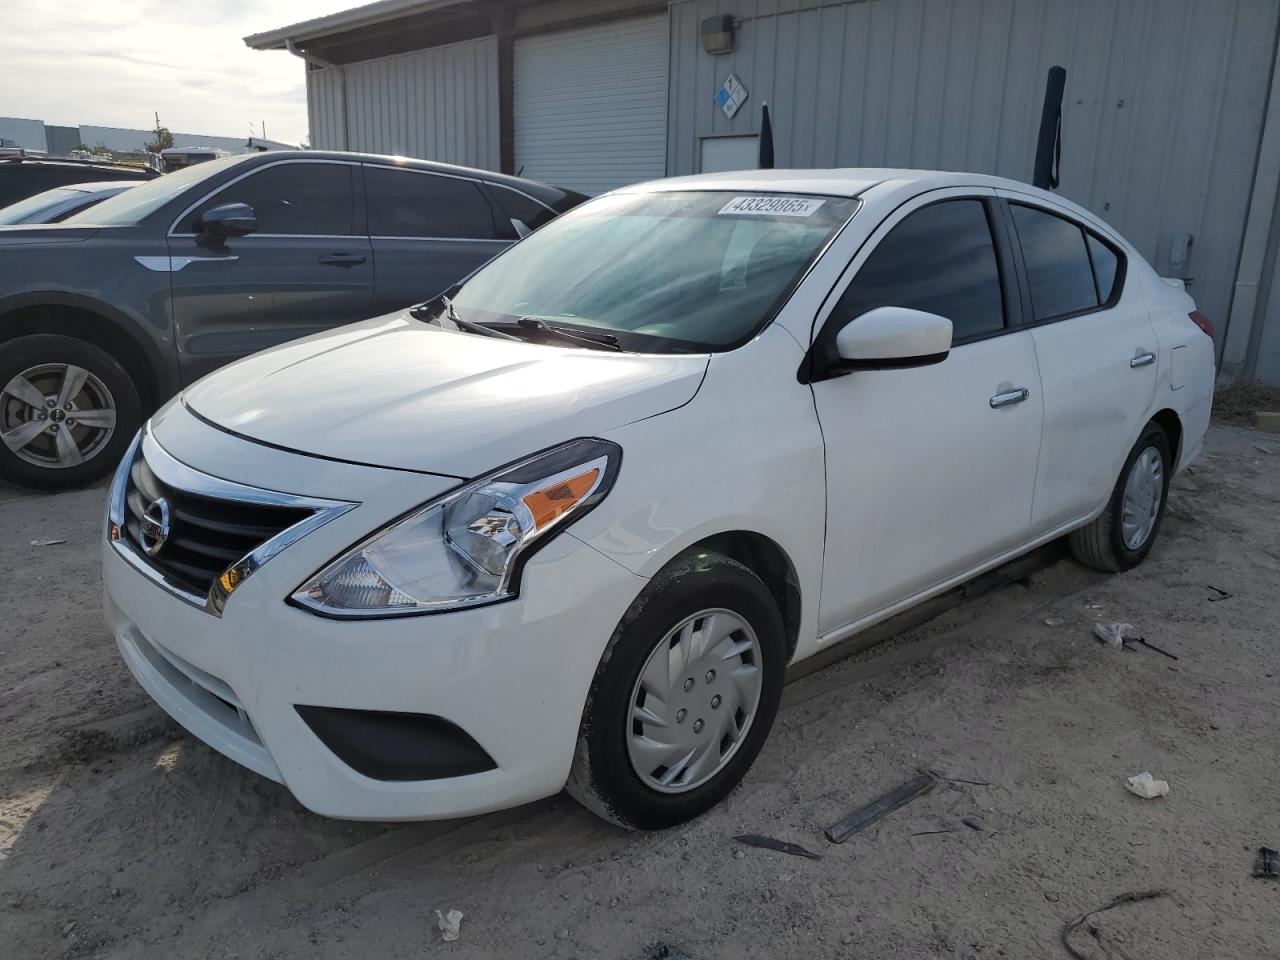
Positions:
{"x": 428, "y": 231}
{"x": 1096, "y": 349}
{"x": 307, "y": 267}
{"x": 930, "y": 470}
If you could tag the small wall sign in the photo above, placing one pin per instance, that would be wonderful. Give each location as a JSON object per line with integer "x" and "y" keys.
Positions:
{"x": 731, "y": 95}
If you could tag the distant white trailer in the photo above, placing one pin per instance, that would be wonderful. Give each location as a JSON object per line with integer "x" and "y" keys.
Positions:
{"x": 175, "y": 158}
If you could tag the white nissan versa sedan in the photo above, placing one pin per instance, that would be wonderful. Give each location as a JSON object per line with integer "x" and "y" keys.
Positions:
{"x": 571, "y": 523}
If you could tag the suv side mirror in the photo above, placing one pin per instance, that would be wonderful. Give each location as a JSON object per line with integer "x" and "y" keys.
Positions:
{"x": 892, "y": 337}
{"x": 227, "y": 220}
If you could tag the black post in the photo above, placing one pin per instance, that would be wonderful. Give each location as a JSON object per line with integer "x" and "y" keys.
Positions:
{"x": 1049, "y": 142}
{"x": 766, "y": 141}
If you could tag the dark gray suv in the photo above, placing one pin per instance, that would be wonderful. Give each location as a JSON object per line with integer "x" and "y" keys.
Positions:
{"x": 106, "y": 315}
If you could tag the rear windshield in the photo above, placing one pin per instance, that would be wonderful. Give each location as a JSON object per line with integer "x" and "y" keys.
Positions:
{"x": 24, "y": 211}
{"x": 688, "y": 271}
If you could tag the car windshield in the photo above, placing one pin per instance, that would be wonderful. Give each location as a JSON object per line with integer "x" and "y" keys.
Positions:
{"x": 132, "y": 206}
{"x": 30, "y": 209}
{"x": 661, "y": 272}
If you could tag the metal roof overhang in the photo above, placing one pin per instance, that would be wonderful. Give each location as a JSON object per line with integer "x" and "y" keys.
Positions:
{"x": 369, "y": 15}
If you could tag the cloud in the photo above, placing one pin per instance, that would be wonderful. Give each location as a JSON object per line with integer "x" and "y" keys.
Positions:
{"x": 94, "y": 62}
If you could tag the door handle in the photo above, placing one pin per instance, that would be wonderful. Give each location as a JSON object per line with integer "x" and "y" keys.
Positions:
{"x": 1009, "y": 398}
{"x": 1143, "y": 360}
{"x": 343, "y": 259}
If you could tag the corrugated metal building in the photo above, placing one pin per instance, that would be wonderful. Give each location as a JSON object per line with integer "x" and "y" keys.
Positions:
{"x": 1171, "y": 124}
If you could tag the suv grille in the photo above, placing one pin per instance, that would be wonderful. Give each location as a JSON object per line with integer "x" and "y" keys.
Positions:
{"x": 206, "y": 534}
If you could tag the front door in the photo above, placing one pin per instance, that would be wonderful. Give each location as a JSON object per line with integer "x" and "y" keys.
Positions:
{"x": 303, "y": 270}
{"x": 930, "y": 470}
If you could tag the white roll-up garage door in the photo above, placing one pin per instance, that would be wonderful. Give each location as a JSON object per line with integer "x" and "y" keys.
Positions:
{"x": 590, "y": 104}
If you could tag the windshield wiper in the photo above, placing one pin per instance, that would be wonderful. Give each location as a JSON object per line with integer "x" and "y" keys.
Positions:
{"x": 599, "y": 341}
{"x": 451, "y": 312}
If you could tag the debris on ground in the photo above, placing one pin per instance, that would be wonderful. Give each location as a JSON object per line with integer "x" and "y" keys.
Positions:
{"x": 46, "y": 543}
{"x": 782, "y": 846}
{"x": 866, "y": 815}
{"x": 450, "y": 925}
{"x": 1221, "y": 594}
{"x": 1267, "y": 864}
{"x": 665, "y": 951}
{"x": 1146, "y": 786}
{"x": 974, "y": 823}
{"x": 1053, "y": 621}
{"x": 1136, "y": 896}
{"x": 1113, "y": 634}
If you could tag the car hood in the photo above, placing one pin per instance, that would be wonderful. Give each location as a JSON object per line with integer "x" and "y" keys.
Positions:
{"x": 396, "y": 392}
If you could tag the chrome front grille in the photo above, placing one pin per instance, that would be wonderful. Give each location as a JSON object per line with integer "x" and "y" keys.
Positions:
{"x": 205, "y": 535}
{"x": 199, "y": 536}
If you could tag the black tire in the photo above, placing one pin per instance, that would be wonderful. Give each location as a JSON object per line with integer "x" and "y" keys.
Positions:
{"x": 1101, "y": 544}
{"x": 603, "y": 778}
{"x": 104, "y": 451}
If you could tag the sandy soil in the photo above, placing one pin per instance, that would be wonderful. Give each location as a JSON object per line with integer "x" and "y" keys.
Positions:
{"x": 122, "y": 837}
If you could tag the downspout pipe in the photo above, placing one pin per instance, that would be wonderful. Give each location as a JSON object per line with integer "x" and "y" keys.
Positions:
{"x": 342, "y": 81}
{"x": 1245, "y": 307}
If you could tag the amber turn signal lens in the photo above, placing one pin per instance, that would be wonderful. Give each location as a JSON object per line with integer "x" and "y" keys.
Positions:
{"x": 549, "y": 502}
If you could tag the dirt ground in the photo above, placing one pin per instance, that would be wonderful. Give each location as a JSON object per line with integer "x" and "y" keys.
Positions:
{"x": 122, "y": 837}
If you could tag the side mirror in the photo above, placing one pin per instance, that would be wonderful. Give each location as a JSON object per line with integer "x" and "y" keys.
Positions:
{"x": 227, "y": 220}
{"x": 892, "y": 337}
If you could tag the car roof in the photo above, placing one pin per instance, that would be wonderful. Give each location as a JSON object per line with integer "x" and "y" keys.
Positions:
{"x": 840, "y": 182}
{"x": 411, "y": 163}
{"x": 95, "y": 186}
{"x": 69, "y": 164}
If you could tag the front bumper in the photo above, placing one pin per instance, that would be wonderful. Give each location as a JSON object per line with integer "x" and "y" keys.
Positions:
{"x": 514, "y": 675}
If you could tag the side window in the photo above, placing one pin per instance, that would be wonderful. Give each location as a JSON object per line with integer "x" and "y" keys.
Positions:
{"x": 1058, "y": 266}
{"x": 939, "y": 259}
{"x": 406, "y": 204}
{"x": 292, "y": 198}
{"x": 1106, "y": 266}
{"x": 519, "y": 207}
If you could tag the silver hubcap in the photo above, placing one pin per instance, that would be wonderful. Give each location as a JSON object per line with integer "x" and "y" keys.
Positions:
{"x": 694, "y": 701}
{"x": 56, "y": 415}
{"x": 1143, "y": 492}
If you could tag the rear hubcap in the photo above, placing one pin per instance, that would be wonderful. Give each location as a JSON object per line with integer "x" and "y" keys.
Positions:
{"x": 694, "y": 701}
{"x": 56, "y": 415}
{"x": 1143, "y": 493}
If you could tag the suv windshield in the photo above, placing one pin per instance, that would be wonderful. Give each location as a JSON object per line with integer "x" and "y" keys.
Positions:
{"x": 662, "y": 272}
{"x": 126, "y": 209}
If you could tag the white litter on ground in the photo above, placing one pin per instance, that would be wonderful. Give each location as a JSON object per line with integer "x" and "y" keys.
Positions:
{"x": 450, "y": 925}
{"x": 1146, "y": 786}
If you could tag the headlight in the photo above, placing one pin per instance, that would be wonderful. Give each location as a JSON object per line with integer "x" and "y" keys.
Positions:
{"x": 465, "y": 548}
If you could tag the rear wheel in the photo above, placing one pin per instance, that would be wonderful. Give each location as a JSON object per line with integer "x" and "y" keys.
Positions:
{"x": 684, "y": 697}
{"x": 67, "y": 412}
{"x": 1123, "y": 535}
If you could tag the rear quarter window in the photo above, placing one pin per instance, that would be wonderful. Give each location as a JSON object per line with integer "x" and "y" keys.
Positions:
{"x": 1070, "y": 270}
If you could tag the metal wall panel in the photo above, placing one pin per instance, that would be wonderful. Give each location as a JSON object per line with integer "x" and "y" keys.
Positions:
{"x": 1161, "y": 121}
{"x": 590, "y": 108}
{"x": 436, "y": 104}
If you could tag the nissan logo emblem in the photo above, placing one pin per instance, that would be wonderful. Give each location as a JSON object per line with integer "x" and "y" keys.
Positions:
{"x": 155, "y": 526}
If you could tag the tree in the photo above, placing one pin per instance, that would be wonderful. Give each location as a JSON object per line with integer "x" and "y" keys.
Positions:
{"x": 163, "y": 138}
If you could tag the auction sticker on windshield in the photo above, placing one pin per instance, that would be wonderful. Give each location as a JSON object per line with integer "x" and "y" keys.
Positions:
{"x": 773, "y": 206}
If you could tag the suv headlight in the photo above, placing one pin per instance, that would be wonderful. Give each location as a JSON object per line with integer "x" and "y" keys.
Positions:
{"x": 467, "y": 547}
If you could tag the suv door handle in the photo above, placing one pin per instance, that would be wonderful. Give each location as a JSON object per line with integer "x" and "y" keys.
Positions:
{"x": 1010, "y": 398}
{"x": 1143, "y": 360}
{"x": 343, "y": 259}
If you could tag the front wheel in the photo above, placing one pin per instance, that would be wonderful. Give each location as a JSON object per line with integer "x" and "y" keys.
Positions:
{"x": 68, "y": 410}
{"x": 1122, "y": 536}
{"x": 684, "y": 697}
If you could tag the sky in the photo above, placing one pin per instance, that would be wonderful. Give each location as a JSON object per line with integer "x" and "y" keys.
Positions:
{"x": 114, "y": 64}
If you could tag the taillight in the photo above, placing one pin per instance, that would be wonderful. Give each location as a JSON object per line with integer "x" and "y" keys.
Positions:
{"x": 1203, "y": 322}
